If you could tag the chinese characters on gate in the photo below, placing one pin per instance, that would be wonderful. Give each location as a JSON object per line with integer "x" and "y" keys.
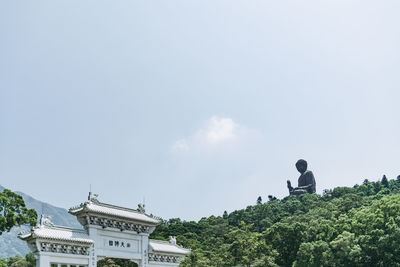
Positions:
{"x": 120, "y": 244}
{"x": 93, "y": 255}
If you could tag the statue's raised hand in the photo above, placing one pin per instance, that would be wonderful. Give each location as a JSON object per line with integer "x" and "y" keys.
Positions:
{"x": 289, "y": 185}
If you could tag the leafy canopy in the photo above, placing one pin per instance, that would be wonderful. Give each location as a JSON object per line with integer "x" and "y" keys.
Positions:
{"x": 346, "y": 226}
{"x": 13, "y": 211}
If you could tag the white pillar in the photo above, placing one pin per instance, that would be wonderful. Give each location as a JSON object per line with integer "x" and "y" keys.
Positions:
{"x": 92, "y": 251}
{"x": 43, "y": 261}
{"x": 144, "y": 253}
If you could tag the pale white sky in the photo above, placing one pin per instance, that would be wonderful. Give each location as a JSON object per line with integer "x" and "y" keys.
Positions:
{"x": 198, "y": 106}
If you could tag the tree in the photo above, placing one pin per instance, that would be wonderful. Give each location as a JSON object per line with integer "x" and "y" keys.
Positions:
{"x": 107, "y": 262}
{"x": 259, "y": 200}
{"x": 317, "y": 253}
{"x": 243, "y": 245}
{"x": 13, "y": 211}
{"x": 17, "y": 261}
{"x": 398, "y": 178}
{"x": 385, "y": 181}
{"x": 286, "y": 239}
{"x": 110, "y": 262}
{"x": 31, "y": 260}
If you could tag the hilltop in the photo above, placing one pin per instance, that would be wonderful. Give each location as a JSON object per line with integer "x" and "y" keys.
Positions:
{"x": 346, "y": 226}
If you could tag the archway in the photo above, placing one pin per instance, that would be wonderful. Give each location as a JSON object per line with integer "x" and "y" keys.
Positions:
{"x": 110, "y": 232}
{"x": 113, "y": 262}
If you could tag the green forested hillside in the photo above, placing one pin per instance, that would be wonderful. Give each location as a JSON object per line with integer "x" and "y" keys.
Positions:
{"x": 358, "y": 226}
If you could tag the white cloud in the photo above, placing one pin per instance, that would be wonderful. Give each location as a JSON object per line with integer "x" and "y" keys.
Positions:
{"x": 216, "y": 132}
{"x": 180, "y": 145}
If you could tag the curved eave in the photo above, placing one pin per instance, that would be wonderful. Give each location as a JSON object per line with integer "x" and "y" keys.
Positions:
{"x": 80, "y": 241}
{"x": 75, "y": 211}
{"x": 24, "y": 236}
{"x": 80, "y": 211}
{"x": 31, "y": 237}
{"x": 34, "y": 236}
{"x": 167, "y": 248}
{"x": 183, "y": 254}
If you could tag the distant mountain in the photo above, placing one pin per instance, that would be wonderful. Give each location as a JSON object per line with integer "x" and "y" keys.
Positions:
{"x": 10, "y": 244}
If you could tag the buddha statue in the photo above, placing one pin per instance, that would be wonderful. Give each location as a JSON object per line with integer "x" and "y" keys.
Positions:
{"x": 306, "y": 182}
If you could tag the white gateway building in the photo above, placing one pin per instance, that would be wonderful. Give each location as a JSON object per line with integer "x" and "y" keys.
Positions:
{"x": 109, "y": 232}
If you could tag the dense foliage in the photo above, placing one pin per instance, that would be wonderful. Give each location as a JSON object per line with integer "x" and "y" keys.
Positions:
{"x": 358, "y": 226}
{"x": 19, "y": 261}
{"x": 13, "y": 211}
{"x": 110, "y": 262}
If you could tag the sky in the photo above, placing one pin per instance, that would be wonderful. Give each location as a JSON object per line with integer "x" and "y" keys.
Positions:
{"x": 195, "y": 106}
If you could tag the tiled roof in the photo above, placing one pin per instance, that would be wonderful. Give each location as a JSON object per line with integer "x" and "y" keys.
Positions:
{"x": 57, "y": 233}
{"x": 158, "y": 246}
{"x": 106, "y": 209}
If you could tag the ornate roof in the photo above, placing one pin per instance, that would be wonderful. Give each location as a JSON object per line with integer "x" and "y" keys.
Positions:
{"x": 165, "y": 247}
{"x": 57, "y": 233}
{"x": 94, "y": 206}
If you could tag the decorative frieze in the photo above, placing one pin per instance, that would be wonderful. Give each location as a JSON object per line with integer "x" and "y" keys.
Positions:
{"x": 118, "y": 224}
{"x": 64, "y": 248}
{"x": 164, "y": 258}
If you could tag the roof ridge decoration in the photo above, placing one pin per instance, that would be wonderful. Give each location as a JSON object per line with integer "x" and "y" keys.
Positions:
{"x": 141, "y": 208}
{"x": 155, "y": 217}
{"x": 172, "y": 240}
{"x": 93, "y": 200}
{"x": 93, "y": 197}
{"x": 116, "y": 207}
{"x": 45, "y": 220}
